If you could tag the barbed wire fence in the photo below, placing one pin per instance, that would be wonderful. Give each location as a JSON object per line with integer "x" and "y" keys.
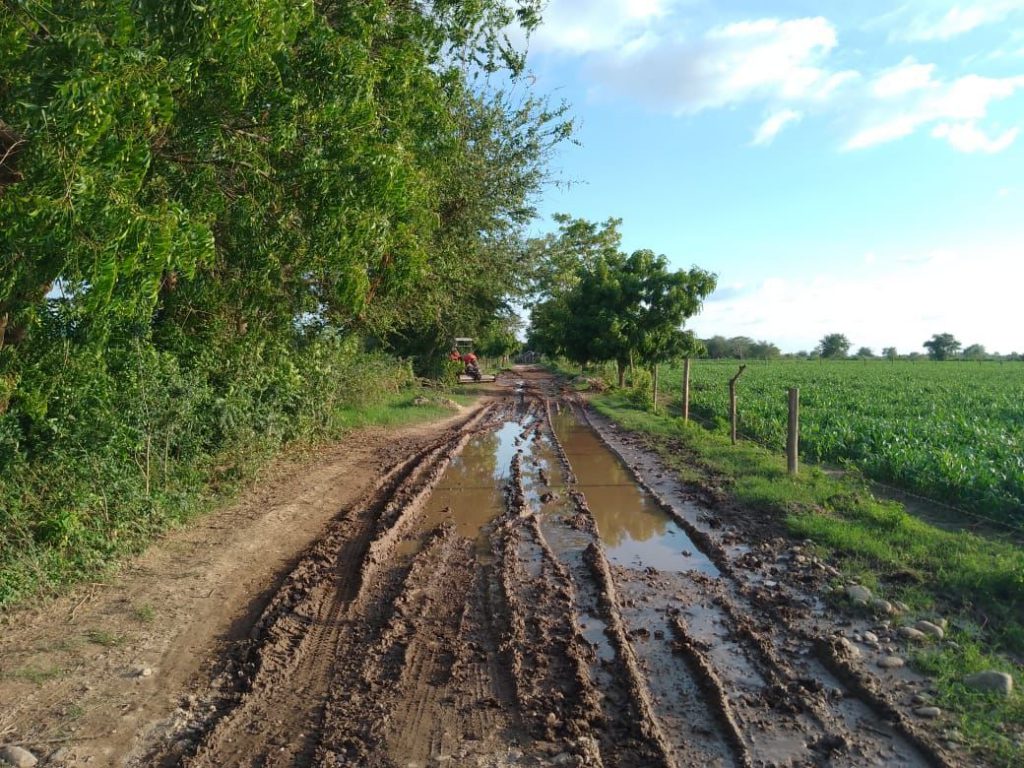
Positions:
{"x": 713, "y": 425}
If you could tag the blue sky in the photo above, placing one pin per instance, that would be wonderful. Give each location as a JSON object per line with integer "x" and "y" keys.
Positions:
{"x": 843, "y": 167}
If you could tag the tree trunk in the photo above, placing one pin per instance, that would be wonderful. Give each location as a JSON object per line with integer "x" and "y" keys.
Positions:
{"x": 621, "y": 365}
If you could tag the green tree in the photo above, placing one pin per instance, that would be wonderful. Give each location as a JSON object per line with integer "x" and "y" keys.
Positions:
{"x": 717, "y": 347}
{"x": 626, "y": 309}
{"x": 833, "y": 345}
{"x": 890, "y": 353}
{"x": 865, "y": 353}
{"x": 764, "y": 350}
{"x": 942, "y": 346}
{"x": 975, "y": 352}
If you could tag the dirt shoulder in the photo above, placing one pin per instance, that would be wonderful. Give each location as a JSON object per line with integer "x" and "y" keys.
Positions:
{"x": 91, "y": 675}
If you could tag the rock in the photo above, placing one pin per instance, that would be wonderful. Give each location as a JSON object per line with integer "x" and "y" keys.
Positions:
{"x": 929, "y": 713}
{"x": 17, "y": 757}
{"x": 991, "y": 681}
{"x": 878, "y": 605}
{"x": 921, "y": 699}
{"x": 891, "y": 662}
{"x": 858, "y": 594}
{"x": 901, "y": 607}
{"x": 846, "y": 648}
{"x": 931, "y": 629}
{"x": 144, "y": 672}
{"x": 870, "y": 637}
{"x": 909, "y": 633}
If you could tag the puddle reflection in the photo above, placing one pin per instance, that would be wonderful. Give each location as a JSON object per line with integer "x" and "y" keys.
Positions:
{"x": 636, "y": 532}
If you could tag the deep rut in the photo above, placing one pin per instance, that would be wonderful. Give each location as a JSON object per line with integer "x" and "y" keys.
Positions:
{"x": 516, "y": 623}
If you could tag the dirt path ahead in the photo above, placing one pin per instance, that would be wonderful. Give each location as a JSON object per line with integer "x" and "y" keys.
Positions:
{"x": 528, "y": 587}
{"x": 94, "y": 678}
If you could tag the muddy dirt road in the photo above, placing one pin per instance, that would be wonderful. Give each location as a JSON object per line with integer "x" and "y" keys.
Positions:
{"x": 514, "y": 595}
{"x": 532, "y": 589}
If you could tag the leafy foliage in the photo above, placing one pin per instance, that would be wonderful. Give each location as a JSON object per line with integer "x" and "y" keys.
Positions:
{"x": 597, "y": 304}
{"x": 218, "y": 219}
{"x": 834, "y": 345}
{"x": 942, "y": 346}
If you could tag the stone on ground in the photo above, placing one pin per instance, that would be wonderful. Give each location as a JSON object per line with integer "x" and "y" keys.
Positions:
{"x": 17, "y": 757}
{"x": 991, "y": 681}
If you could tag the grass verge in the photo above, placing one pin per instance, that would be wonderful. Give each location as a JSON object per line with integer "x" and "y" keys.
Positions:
{"x": 977, "y": 583}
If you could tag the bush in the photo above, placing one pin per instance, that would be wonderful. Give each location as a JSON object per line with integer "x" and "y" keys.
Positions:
{"x": 102, "y": 448}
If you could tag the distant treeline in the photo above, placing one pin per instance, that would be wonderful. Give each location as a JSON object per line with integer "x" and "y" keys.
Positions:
{"x": 836, "y": 346}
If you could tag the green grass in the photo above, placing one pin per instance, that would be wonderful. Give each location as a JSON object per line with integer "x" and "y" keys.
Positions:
{"x": 105, "y": 638}
{"x": 144, "y": 614}
{"x": 37, "y": 675}
{"x": 976, "y": 582}
{"x": 400, "y": 410}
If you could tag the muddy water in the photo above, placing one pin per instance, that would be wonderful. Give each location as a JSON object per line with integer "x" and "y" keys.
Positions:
{"x": 635, "y": 530}
{"x": 471, "y": 491}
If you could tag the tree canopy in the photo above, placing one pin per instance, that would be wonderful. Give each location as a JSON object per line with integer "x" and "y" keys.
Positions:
{"x": 942, "y": 346}
{"x": 834, "y": 345}
{"x": 595, "y": 303}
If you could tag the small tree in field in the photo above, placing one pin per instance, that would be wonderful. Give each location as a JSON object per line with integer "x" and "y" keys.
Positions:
{"x": 834, "y": 345}
{"x": 942, "y": 346}
{"x": 975, "y": 352}
{"x": 890, "y": 353}
{"x": 865, "y": 353}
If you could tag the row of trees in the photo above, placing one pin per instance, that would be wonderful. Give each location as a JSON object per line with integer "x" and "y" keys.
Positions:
{"x": 594, "y": 303}
{"x": 942, "y": 346}
{"x": 211, "y": 209}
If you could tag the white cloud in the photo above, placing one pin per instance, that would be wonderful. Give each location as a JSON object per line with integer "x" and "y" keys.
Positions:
{"x": 649, "y": 51}
{"x": 760, "y": 60}
{"x": 900, "y": 80}
{"x": 774, "y": 124}
{"x": 909, "y": 97}
{"x": 586, "y": 26}
{"x": 893, "y": 303}
{"x": 955, "y": 21}
{"x": 966, "y": 137}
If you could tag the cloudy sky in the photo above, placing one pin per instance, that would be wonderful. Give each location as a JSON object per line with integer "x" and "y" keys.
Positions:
{"x": 852, "y": 167}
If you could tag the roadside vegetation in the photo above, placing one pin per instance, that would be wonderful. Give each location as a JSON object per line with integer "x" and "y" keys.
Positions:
{"x": 976, "y": 582}
{"x": 231, "y": 226}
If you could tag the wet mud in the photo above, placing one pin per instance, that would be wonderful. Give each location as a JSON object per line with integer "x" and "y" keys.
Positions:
{"x": 518, "y": 594}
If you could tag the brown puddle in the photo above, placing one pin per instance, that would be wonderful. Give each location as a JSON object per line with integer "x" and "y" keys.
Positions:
{"x": 471, "y": 490}
{"x": 636, "y": 532}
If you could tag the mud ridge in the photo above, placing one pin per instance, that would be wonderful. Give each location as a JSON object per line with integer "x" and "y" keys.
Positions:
{"x": 715, "y": 692}
{"x": 863, "y": 689}
{"x": 645, "y": 722}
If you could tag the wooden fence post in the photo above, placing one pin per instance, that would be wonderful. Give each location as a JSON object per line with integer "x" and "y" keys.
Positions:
{"x": 793, "y": 435}
{"x": 654, "y": 379}
{"x": 686, "y": 390}
{"x": 732, "y": 402}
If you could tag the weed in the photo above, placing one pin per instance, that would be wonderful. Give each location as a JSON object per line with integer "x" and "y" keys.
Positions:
{"x": 144, "y": 613}
{"x": 104, "y": 638}
{"x": 37, "y": 675}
